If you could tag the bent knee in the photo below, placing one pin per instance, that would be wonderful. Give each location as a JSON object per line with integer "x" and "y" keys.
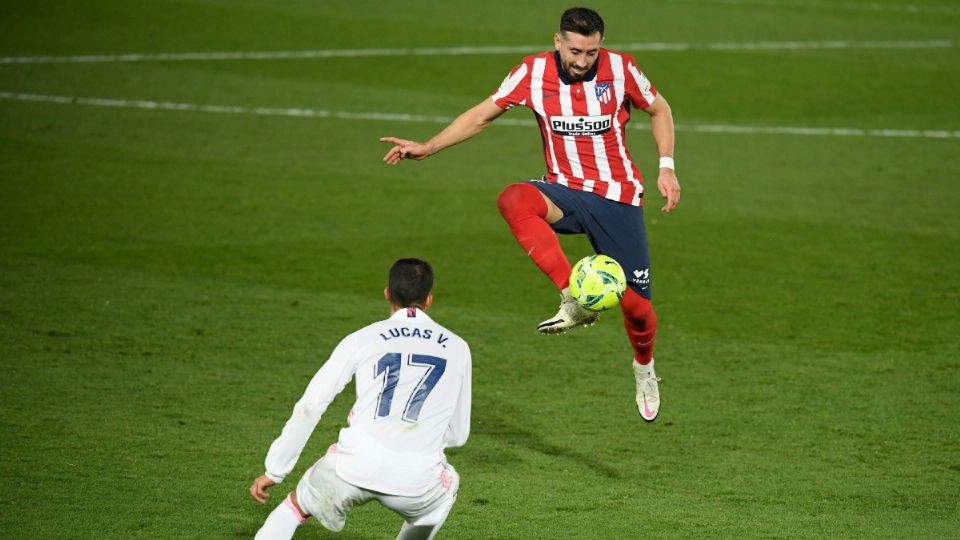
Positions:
{"x": 293, "y": 504}
{"x": 521, "y": 199}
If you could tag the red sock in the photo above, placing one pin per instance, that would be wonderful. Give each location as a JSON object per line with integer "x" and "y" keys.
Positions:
{"x": 641, "y": 323}
{"x": 525, "y": 211}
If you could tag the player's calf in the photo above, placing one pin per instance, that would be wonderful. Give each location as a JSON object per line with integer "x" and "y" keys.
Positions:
{"x": 283, "y": 521}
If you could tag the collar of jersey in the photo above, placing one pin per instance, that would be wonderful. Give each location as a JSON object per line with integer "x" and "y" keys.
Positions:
{"x": 565, "y": 79}
{"x": 402, "y": 314}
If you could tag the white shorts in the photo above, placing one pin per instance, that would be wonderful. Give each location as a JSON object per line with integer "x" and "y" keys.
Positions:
{"x": 329, "y": 498}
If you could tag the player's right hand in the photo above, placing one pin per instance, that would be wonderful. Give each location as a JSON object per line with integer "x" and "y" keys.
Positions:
{"x": 404, "y": 149}
{"x": 259, "y": 488}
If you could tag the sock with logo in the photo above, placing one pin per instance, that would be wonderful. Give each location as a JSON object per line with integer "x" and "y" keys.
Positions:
{"x": 525, "y": 211}
{"x": 282, "y": 522}
{"x": 641, "y": 323}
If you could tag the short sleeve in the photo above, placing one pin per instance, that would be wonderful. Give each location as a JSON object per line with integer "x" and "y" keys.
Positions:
{"x": 514, "y": 89}
{"x": 640, "y": 91}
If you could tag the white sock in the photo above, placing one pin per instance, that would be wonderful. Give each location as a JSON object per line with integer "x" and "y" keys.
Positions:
{"x": 565, "y": 293}
{"x": 281, "y": 523}
{"x": 646, "y": 369}
{"x": 414, "y": 532}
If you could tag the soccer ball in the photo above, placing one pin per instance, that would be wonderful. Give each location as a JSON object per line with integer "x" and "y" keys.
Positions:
{"x": 597, "y": 282}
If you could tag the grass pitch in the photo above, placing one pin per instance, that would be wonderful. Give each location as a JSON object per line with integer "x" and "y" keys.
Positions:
{"x": 170, "y": 280}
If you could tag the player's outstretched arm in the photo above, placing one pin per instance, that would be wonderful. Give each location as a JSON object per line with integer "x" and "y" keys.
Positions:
{"x": 661, "y": 124}
{"x": 466, "y": 125}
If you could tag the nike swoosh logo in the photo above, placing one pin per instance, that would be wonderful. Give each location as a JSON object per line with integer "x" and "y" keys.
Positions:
{"x": 646, "y": 409}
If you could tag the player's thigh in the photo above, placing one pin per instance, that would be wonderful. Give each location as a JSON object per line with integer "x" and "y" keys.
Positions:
{"x": 568, "y": 205}
{"x": 326, "y": 496}
{"x": 431, "y": 508}
{"x": 618, "y": 230}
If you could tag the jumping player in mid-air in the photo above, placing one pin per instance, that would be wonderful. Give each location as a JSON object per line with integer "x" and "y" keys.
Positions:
{"x": 582, "y": 95}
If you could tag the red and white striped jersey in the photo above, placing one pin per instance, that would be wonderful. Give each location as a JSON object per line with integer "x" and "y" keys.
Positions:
{"x": 583, "y": 124}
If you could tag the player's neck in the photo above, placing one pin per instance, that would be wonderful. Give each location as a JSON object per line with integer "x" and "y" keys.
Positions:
{"x": 395, "y": 308}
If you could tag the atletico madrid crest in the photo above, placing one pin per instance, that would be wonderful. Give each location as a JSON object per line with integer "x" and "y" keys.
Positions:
{"x": 604, "y": 93}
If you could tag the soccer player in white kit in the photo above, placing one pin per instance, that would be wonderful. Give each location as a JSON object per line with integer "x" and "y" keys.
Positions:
{"x": 413, "y": 387}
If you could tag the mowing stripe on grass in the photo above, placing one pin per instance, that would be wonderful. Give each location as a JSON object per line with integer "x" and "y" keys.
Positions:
{"x": 400, "y": 117}
{"x": 465, "y": 51}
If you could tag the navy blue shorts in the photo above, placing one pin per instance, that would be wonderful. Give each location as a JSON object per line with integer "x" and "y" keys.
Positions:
{"x": 614, "y": 229}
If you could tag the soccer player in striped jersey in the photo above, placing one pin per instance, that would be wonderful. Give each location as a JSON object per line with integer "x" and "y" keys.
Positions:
{"x": 413, "y": 387}
{"x": 582, "y": 95}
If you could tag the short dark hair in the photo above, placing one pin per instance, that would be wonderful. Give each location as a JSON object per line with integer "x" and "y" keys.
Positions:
{"x": 583, "y": 21}
{"x": 411, "y": 281}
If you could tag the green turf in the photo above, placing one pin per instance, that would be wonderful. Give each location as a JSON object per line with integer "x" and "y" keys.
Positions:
{"x": 169, "y": 281}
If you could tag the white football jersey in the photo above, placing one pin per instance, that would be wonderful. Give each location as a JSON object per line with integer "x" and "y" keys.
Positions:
{"x": 413, "y": 399}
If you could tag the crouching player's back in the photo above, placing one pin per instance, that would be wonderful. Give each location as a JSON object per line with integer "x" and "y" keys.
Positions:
{"x": 413, "y": 386}
{"x": 410, "y": 395}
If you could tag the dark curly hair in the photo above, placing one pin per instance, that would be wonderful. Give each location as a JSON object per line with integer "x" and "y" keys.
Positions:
{"x": 583, "y": 21}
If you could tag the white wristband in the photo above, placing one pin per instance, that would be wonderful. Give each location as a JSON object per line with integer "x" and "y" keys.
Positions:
{"x": 666, "y": 162}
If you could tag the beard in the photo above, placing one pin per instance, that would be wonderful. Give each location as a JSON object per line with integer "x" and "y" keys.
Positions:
{"x": 573, "y": 73}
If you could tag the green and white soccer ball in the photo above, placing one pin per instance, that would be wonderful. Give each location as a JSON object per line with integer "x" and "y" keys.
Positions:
{"x": 597, "y": 282}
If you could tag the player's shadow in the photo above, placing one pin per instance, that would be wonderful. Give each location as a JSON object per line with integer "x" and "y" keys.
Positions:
{"x": 506, "y": 423}
{"x": 313, "y": 530}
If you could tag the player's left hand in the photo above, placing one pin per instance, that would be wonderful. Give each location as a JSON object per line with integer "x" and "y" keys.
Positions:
{"x": 259, "y": 488}
{"x": 669, "y": 188}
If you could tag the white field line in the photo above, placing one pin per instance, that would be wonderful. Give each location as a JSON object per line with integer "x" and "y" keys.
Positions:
{"x": 465, "y": 51}
{"x": 844, "y": 6}
{"x": 428, "y": 119}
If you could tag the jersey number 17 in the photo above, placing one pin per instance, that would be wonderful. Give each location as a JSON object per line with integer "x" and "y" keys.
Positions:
{"x": 389, "y": 365}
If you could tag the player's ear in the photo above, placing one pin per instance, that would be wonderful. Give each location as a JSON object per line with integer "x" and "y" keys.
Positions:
{"x": 556, "y": 41}
{"x": 386, "y": 294}
{"x": 428, "y": 302}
